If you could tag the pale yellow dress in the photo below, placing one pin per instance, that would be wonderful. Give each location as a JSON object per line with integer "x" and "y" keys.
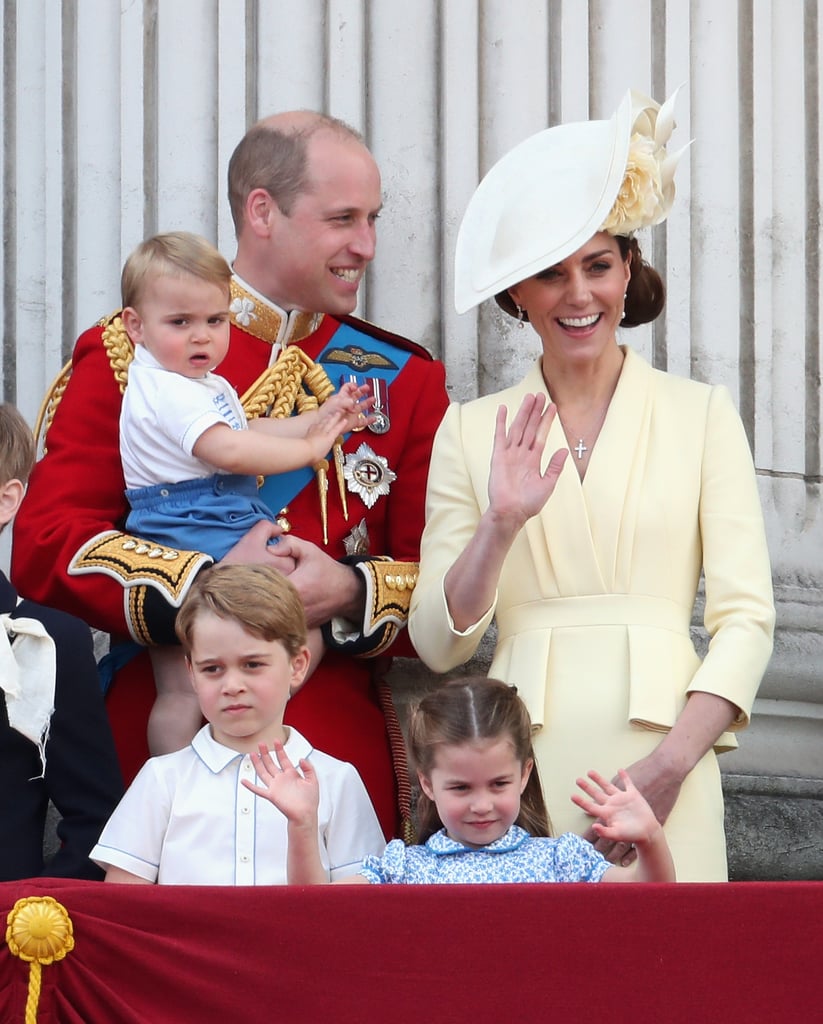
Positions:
{"x": 595, "y": 600}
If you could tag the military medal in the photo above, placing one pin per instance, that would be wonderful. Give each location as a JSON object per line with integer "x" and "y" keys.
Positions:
{"x": 368, "y": 475}
{"x": 380, "y": 411}
{"x": 356, "y": 542}
{"x": 379, "y": 391}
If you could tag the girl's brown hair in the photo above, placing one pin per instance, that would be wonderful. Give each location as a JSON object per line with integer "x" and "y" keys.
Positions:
{"x": 468, "y": 709}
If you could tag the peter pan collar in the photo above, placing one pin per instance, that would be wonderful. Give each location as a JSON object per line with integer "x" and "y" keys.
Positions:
{"x": 442, "y": 845}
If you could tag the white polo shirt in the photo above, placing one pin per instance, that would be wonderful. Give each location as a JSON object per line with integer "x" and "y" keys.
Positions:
{"x": 187, "y": 820}
{"x": 162, "y": 416}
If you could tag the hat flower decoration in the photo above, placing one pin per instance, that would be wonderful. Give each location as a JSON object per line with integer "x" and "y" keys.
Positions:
{"x": 647, "y": 191}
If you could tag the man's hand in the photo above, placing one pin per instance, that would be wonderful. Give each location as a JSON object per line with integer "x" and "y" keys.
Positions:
{"x": 327, "y": 588}
{"x": 256, "y": 548}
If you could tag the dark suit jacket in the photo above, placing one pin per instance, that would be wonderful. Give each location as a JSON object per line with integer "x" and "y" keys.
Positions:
{"x": 82, "y": 774}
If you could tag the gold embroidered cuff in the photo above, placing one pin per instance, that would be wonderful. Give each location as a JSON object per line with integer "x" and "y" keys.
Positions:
{"x": 389, "y": 587}
{"x": 137, "y": 564}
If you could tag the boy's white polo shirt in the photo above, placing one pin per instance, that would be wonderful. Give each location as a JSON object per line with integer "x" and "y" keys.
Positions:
{"x": 187, "y": 819}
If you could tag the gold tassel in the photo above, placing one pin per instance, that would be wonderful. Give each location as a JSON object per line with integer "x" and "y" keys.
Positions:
{"x": 321, "y": 470}
{"x": 337, "y": 451}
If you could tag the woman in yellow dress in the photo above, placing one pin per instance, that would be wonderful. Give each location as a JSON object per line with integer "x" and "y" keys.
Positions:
{"x": 590, "y": 560}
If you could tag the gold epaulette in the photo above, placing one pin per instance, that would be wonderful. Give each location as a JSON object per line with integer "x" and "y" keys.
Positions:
{"x": 389, "y": 587}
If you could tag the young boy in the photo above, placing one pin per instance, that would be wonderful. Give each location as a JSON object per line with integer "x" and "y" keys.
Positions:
{"x": 190, "y": 458}
{"x": 55, "y": 741}
{"x": 187, "y": 819}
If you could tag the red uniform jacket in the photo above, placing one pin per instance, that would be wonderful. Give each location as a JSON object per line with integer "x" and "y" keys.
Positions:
{"x": 76, "y": 494}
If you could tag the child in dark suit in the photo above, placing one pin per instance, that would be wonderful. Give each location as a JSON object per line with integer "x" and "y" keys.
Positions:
{"x": 55, "y": 741}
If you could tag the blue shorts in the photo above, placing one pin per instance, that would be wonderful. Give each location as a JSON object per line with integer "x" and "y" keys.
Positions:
{"x": 209, "y": 514}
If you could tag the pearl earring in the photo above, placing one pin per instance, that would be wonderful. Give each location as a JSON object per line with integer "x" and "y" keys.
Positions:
{"x": 520, "y": 313}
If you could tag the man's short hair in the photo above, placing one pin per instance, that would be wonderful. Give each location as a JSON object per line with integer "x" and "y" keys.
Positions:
{"x": 174, "y": 254}
{"x": 257, "y": 597}
{"x": 17, "y": 448}
{"x": 277, "y": 160}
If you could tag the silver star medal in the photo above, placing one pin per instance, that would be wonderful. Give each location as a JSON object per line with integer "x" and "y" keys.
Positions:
{"x": 367, "y": 475}
{"x": 357, "y": 541}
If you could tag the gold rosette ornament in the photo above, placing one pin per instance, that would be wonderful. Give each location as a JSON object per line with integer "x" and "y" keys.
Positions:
{"x": 40, "y": 931}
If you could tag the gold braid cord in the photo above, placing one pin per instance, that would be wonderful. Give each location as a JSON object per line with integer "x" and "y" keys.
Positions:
{"x": 119, "y": 347}
{"x": 40, "y": 932}
{"x": 48, "y": 406}
{"x": 279, "y": 388}
{"x": 296, "y": 381}
{"x": 400, "y": 762}
{"x": 389, "y": 587}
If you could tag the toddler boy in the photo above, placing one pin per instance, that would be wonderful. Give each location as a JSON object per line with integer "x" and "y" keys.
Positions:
{"x": 190, "y": 458}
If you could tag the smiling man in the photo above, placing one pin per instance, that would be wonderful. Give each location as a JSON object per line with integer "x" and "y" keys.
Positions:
{"x": 305, "y": 194}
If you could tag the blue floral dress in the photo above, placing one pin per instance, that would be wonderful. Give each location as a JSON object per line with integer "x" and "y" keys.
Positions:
{"x": 514, "y": 857}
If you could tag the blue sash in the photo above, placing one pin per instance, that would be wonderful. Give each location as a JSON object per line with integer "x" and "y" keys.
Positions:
{"x": 277, "y": 491}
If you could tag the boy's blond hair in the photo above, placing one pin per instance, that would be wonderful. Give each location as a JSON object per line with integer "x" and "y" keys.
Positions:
{"x": 17, "y": 449}
{"x": 173, "y": 254}
{"x": 257, "y": 597}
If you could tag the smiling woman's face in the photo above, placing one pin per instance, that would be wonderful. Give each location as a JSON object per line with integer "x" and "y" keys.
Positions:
{"x": 576, "y": 305}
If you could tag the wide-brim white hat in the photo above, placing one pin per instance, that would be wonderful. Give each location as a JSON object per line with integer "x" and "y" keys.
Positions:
{"x": 550, "y": 194}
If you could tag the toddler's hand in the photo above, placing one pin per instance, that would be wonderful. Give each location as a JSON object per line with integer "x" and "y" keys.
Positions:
{"x": 354, "y": 402}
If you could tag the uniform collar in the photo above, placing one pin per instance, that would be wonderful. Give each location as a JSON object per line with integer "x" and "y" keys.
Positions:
{"x": 216, "y": 757}
{"x": 441, "y": 845}
{"x": 259, "y": 316}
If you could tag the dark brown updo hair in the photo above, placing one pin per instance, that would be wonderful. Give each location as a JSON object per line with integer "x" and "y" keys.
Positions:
{"x": 463, "y": 711}
{"x": 645, "y": 292}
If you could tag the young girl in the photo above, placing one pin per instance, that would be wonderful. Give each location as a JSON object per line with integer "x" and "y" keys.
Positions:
{"x": 481, "y": 814}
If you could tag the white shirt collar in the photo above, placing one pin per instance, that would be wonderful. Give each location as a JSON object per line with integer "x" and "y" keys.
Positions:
{"x": 215, "y": 756}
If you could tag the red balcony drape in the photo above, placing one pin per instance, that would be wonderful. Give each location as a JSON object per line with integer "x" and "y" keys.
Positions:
{"x": 348, "y": 955}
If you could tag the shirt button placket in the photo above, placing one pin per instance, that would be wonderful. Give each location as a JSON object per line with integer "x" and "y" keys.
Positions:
{"x": 244, "y": 826}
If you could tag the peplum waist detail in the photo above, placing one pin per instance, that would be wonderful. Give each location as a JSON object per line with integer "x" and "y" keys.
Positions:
{"x": 593, "y": 610}
{"x": 660, "y": 657}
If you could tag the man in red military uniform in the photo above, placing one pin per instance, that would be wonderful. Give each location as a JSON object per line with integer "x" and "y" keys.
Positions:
{"x": 305, "y": 194}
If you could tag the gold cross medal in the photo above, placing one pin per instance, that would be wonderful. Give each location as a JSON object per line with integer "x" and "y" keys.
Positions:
{"x": 368, "y": 475}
